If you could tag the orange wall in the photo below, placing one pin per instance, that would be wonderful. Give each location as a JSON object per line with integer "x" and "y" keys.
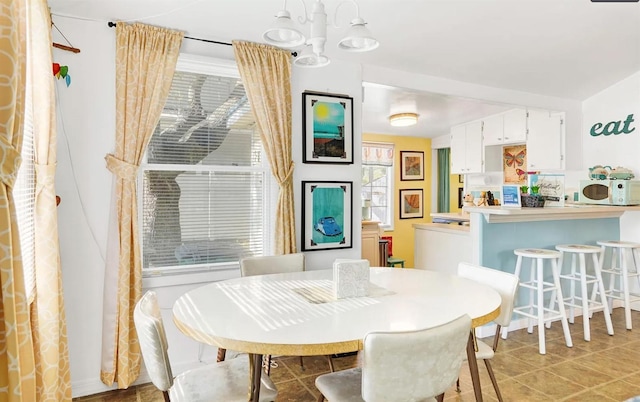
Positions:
{"x": 402, "y": 228}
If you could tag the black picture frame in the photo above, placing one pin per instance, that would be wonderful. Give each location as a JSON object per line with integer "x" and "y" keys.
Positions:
{"x": 411, "y": 203}
{"x": 411, "y": 165}
{"x": 327, "y": 128}
{"x": 327, "y": 215}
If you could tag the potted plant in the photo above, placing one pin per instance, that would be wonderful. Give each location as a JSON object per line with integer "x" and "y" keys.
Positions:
{"x": 533, "y": 199}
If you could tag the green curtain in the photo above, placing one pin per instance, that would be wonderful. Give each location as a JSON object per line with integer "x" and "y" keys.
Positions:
{"x": 443, "y": 180}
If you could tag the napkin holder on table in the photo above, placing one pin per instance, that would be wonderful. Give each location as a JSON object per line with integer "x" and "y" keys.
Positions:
{"x": 350, "y": 278}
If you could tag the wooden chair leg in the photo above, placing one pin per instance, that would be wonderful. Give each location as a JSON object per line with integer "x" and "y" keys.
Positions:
{"x": 301, "y": 363}
{"x": 331, "y": 364}
{"x": 268, "y": 365}
{"x": 320, "y": 398}
{"x": 493, "y": 379}
{"x": 458, "y": 390}
{"x": 166, "y": 396}
{"x": 222, "y": 353}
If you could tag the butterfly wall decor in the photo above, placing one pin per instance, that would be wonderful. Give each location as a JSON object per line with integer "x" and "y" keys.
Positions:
{"x": 512, "y": 160}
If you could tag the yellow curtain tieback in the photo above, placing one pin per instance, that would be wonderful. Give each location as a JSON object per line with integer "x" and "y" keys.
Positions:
{"x": 288, "y": 176}
{"x": 10, "y": 161}
{"x": 123, "y": 170}
{"x": 45, "y": 176}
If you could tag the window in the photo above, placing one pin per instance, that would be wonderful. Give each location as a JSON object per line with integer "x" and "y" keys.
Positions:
{"x": 204, "y": 185}
{"x": 377, "y": 183}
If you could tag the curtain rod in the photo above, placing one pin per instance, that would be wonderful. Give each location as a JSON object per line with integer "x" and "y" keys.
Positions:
{"x": 113, "y": 24}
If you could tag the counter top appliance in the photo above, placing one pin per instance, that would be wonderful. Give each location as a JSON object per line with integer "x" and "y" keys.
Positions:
{"x": 610, "y": 192}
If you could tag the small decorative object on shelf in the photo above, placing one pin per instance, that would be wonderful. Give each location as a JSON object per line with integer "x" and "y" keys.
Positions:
{"x": 533, "y": 200}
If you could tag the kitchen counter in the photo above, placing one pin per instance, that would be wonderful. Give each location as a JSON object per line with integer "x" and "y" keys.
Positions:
{"x": 497, "y": 214}
{"x": 443, "y": 217}
{"x": 441, "y": 247}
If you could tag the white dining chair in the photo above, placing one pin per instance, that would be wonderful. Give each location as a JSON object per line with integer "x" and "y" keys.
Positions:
{"x": 227, "y": 381}
{"x": 275, "y": 264}
{"x": 402, "y": 366}
{"x": 506, "y": 284}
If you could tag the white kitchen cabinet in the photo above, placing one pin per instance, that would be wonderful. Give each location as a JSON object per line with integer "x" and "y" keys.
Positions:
{"x": 466, "y": 148}
{"x": 505, "y": 128}
{"x": 545, "y": 144}
{"x": 515, "y": 126}
{"x": 371, "y": 243}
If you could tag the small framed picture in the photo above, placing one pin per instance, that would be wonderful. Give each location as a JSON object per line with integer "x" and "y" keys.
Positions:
{"x": 411, "y": 165}
{"x": 411, "y": 204}
{"x": 460, "y": 178}
{"x": 511, "y": 196}
{"x": 327, "y": 128}
{"x": 326, "y": 215}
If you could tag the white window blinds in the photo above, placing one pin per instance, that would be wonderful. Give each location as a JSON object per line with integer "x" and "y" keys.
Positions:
{"x": 204, "y": 179}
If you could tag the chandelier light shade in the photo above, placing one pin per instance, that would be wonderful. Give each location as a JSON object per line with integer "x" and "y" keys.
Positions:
{"x": 284, "y": 33}
{"x": 403, "y": 119}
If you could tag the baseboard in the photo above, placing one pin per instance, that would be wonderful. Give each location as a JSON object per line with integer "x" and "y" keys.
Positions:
{"x": 95, "y": 386}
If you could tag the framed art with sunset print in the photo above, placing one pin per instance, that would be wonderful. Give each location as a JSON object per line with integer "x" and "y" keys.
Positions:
{"x": 327, "y": 128}
{"x": 514, "y": 164}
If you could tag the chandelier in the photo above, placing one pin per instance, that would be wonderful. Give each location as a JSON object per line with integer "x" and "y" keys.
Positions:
{"x": 284, "y": 33}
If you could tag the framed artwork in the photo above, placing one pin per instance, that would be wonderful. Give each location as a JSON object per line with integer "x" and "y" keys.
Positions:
{"x": 514, "y": 163}
{"x": 327, "y": 215}
{"x": 511, "y": 196}
{"x": 411, "y": 204}
{"x": 460, "y": 178}
{"x": 327, "y": 128}
{"x": 411, "y": 165}
{"x": 550, "y": 186}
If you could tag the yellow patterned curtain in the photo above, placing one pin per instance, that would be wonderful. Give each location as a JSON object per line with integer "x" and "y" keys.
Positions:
{"x": 266, "y": 75}
{"x": 17, "y": 365}
{"x": 146, "y": 57}
{"x": 48, "y": 319}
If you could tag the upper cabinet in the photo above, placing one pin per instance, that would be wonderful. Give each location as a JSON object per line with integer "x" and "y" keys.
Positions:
{"x": 505, "y": 128}
{"x": 466, "y": 148}
{"x": 545, "y": 142}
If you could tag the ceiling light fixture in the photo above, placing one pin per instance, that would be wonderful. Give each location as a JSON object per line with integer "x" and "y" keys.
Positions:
{"x": 284, "y": 33}
{"x": 403, "y": 119}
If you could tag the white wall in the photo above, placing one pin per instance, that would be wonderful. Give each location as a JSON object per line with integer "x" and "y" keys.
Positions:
{"x": 612, "y": 104}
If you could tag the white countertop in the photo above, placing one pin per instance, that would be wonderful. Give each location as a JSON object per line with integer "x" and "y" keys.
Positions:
{"x": 453, "y": 217}
{"x": 570, "y": 211}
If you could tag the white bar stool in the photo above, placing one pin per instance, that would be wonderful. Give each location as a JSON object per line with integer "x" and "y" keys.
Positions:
{"x": 621, "y": 264}
{"x": 537, "y": 286}
{"x": 588, "y": 305}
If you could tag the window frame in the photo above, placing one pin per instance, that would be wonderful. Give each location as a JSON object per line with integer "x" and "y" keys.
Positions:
{"x": 387, "y": 226}
{"x": 203, "y": 273}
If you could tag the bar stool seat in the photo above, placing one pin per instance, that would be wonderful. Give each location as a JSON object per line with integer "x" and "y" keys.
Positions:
{"x": 392, "y": 261}
{"x": 622, "y": 264}
{"x": 537, "y": 286}
{"x": 578, "y": 262}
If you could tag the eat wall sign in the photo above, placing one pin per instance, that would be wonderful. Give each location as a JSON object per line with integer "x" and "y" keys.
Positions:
{"x": 613, "y": 127}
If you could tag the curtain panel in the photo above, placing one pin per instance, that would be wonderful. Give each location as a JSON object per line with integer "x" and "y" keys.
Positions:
{"x": 443, "y": 180}
{"x": 17, "y": 363}
{"x": 48, "y": 319}
{"x": 146, "y": 57}
{"x": 266, "y": 75}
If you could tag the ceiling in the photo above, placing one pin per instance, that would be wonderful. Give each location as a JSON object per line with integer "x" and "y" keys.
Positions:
{"x": 563, "y": 48}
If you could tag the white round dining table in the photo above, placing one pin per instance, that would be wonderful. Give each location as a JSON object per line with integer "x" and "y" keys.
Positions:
{"x": 297, "y": 314}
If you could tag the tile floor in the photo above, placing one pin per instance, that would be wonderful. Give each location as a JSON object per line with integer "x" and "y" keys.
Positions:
{"x": 605, "y": 369}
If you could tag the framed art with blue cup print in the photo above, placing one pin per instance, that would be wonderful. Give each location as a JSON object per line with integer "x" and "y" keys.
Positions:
{"x": 511, "y": 196}
{"x": 327, "y": 215}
